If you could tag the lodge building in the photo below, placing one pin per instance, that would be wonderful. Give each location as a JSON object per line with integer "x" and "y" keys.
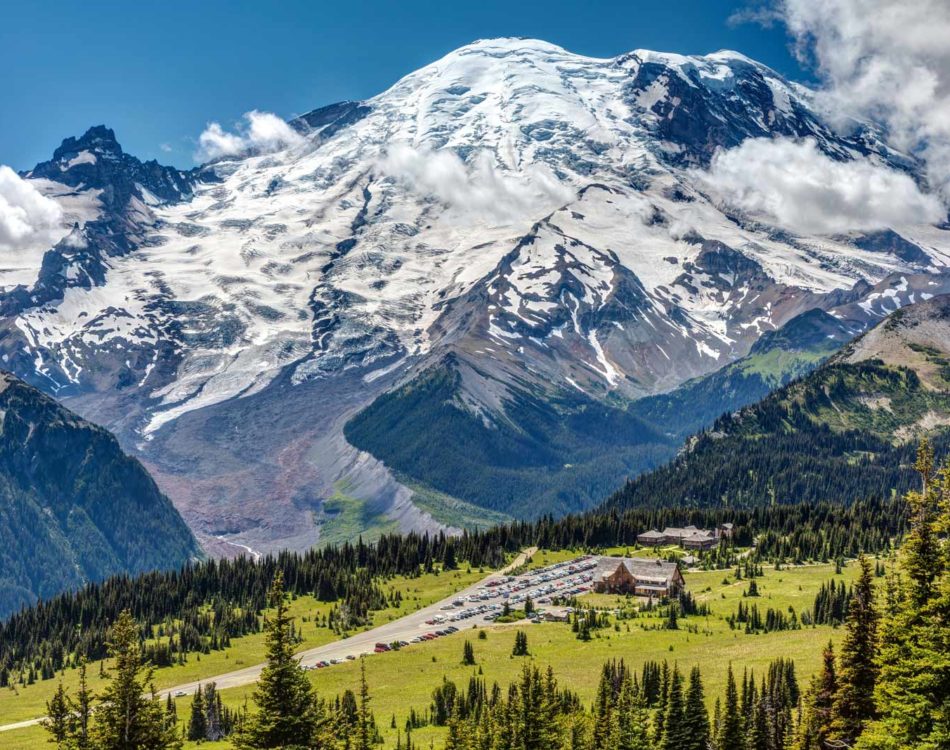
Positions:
{"x": 638, "y": 576}
{"x": 688, "y": 537}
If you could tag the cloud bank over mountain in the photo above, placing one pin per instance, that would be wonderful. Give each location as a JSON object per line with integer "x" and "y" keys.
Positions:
{"x": 794, "y": 185}
{"x": 260, "y": 132}
{"x": 25, "y": 214}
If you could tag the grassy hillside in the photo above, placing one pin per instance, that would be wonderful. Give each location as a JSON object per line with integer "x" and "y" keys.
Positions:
{"x": 21, "y": 702}
{"x": 73, "y": 507}
{"x": 404, "y": 680}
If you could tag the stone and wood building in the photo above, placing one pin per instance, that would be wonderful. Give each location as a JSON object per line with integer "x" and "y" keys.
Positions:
{"x": 688, "y": 537}
{"x": 638, "y": 576}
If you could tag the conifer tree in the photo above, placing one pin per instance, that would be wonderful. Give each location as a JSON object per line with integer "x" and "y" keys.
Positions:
{"x": 468, "y": 654}
{"x": 730, "y": 729}
{"x": 82, "y": 707}
{"x": 815, "y": 727}
{"x": 857, "y": 670}
{"x": 914, "y": 683}
{"x": 287, "y": 711}
{"x": 198, "y": 721}
{"x": 695, "y": 717}
{"x": 521, "y": 644}
{"x": 58, "y": 722}
{"x": 663, "y": 699}
{"x": 364, "y": 717}
{"x": 674, "y": 733}
{"x": 126, "y": 718}
{"x": 633, "y": 719}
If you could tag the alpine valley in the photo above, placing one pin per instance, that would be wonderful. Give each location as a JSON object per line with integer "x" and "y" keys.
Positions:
{"x": 494, "y": 290}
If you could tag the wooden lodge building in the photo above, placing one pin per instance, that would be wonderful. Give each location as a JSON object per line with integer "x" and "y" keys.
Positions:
{"x": 688, "y": 537}
{"x": 637, "y": 576}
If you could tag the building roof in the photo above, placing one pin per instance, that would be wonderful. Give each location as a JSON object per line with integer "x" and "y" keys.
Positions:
{"x": 680, "y": 533}
{"x": 652, "y": 533}
{"x": 647, "y": 570}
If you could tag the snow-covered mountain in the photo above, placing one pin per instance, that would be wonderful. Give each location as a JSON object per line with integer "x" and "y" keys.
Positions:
{"x": 532, "y": 217}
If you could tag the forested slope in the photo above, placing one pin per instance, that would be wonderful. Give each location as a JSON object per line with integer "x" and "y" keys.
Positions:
{"x": 73, "y": 507}
{"x": 847, "y": 431}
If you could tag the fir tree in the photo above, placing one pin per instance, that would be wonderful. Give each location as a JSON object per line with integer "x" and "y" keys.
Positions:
{"x": 58, "y": 720}
{"x": 695, "y": 717}
{"x": 287, "y": 714}
{"x": 674, "y": 729}
{"x": 126, "y": 718}
{"x": 521, "y": 644}
{"x": 815, "y": 727}
{"x": 857, "y": 669}
{"x": 914, "y": 683}
{"x": 730, "y": 730}
{"x": 198, "y": 721}
{"x": 365, "y": 721}
{"x": 82, "y": 707}
{"x": 468, "y": 654}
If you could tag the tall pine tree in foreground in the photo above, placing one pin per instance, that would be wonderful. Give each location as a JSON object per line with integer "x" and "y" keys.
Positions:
{"x": 857, "y": 670}
{"x": 129, "y": 717}
{"x": 730, "y": 728}
{"x": 288, "y": 714}
{"x": 913, "y": 689}
{"x": 695, "y": 717}
{"x": 815, "y": 727}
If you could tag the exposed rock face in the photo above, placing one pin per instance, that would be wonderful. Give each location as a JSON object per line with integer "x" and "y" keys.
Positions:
{"x": 73, "y": 507}
{"x": 529, "y": 213}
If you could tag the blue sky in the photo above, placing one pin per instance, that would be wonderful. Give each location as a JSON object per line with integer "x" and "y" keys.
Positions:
{"x": 158, "y": 72}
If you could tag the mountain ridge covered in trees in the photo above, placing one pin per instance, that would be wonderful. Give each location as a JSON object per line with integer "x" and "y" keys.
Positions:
{"x": 73, "y": 507}
{"x": 846, "y": 431}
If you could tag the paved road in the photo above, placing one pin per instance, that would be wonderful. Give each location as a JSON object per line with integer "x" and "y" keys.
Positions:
{"x": 403, "y": 629}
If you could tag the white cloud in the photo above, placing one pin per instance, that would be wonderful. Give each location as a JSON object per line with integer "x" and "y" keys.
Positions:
{"x": 26, "y": 216}
{"x": 887, "y": 60}
{"x": 260, "y": 132}
{"x": 794, "y": 185}
{"x": 476, "y": 190}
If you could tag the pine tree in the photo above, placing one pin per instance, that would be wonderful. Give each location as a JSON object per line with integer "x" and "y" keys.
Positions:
{"x": 58, "y": 720}
{"x": 695, "y": 717}
{"x": 758, "y": 736}
{"x": 448, "y": 557}
{"x": 287, "y": 714}
{"x": 730, "y": 730}
{"x": 521, "y": 644}
{"x": 82, "y": 707}
{"x": 914, "y": 683}
{"x": 857, "y": 672}
{"x": 364, "y": 717}
{"x": 815, "y": 727}
{"x": 198, "y": 721}
{"x": 674, "y": 732}
{"x": 633, "y": 719}
{"x": 468, "y": 654}
{"x": 126, "y": 718}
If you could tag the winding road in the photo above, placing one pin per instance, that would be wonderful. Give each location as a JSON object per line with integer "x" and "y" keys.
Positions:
{"x": 403, "y": 629}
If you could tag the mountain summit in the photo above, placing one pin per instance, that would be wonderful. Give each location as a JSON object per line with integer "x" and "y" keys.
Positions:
{"x": 511, "y": 244}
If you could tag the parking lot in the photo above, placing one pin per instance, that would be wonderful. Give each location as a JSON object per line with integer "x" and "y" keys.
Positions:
{"x": 485, "y": 603}
{"x": 559, "y": 581}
